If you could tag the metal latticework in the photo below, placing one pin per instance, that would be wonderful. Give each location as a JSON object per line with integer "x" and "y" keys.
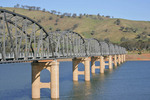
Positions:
{"x": 93, "y": 47}
{"x": 67, "y": 44}
{"x": 21, "y": 38}
{"x": 104, "y": 48}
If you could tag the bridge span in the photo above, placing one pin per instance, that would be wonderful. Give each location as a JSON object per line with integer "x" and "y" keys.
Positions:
{"x": 24, "y": 40}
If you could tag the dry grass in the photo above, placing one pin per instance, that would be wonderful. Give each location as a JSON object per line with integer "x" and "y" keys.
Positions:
{"x": 87, "y": 25}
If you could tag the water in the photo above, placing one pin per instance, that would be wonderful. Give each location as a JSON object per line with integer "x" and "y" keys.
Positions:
{"x": 130, "y": 81}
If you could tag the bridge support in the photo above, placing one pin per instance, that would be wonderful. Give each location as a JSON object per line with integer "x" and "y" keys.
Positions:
{"x": 110, "y": 62}
{"x": 86, "y": 72}
{"x": 119, "y": 59}
{"x": 102, "y": 64}
{"x": 122, "y": 59}
{"x": 93, "y": 67}
{"x": 115, "y": 60}
{"x": 53, "y": 67}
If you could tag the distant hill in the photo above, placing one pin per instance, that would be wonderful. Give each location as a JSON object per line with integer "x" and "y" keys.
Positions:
{"x": 91, "y": 26}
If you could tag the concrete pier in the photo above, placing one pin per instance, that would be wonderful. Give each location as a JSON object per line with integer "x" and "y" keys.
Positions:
{"x": 54, "y": 79}
{"x": 53, "y": 67}
{"x": 93, "y": 67}
{"x": 86, "y": 72}
{"x": 119, "y": 59}
{"x": 115, "y": 60}
{"x": 122, "y": 58}
{"x": 102, "y": 64}
{"x": 110, "y": 62}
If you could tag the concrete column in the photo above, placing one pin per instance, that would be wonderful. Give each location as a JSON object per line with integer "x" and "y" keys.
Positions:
{"x": 119, "y": 60}
{"x": 75, "y": 69}
{"x": 54, "y": 79}
{"x": 122, "y": 58}
{"x": 53, "y": 67}
{"x": 102, "y": 64}
{"x": 110, "y": 61}
{"x": 87, "y": 69}
{"x": 115, "y": 60}
{"x": 93, "y": 65}
{"x": 35, "y": 80}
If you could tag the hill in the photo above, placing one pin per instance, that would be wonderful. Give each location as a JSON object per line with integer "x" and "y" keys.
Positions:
{"x": 91, "y": 26}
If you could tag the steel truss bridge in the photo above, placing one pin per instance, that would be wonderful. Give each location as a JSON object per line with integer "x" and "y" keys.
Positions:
{"x": 23, "y": 39}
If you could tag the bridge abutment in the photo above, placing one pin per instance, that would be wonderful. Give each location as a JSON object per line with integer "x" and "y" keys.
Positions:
{"x": 86, "y": 72}
{"x": 53, "y": 67}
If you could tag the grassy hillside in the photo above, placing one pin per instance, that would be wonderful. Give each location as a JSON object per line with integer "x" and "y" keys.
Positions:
{"x": 91, "y": 26}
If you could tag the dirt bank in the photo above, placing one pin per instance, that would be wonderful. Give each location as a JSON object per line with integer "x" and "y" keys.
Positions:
{"x": 143, "y": 57}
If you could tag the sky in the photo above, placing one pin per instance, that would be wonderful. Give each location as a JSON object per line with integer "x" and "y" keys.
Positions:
{"x": 126, "y": 9}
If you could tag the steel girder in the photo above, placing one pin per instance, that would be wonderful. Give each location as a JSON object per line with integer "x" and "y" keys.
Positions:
{"x": 22, "y": 38}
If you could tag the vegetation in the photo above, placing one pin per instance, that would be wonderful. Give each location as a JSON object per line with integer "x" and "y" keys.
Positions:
{"x": 134, "y": 35}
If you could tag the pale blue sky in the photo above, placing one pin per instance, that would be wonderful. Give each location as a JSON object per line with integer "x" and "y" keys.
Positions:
{"x": 127, "y": 9}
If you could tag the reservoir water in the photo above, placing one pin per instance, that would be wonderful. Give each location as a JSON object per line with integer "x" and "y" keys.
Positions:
{"x": 129, "y": 81}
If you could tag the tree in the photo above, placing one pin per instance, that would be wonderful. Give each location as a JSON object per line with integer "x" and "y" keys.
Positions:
{"x": 58, "y": 13}
{"x": 123, "y": 39}
{"x": 98, "y": 15}
{"x": 50, "y": 18}
{"x": 38, "y": 8}
{"x": 62, "y": 16}
{"x": 107, "y": 16}
{"x": 80, "y": 16}
{"x": 74, "y": 15}
{"x": 53, "y": 11}
{"x": 92, "y": 33}
{"x": 57, "y": 20}
{"x": 50, "y": 28}
{"x": 58, "y": 29}
{"x": 121, "y": 28}
{"x": 56, "y": 23}
{"x": 75, "y": 26}
{"x": 43, "y": 10}
{"x": 16, "y": 6}
{"x": 117, "y": 22}
{"x": 39, "y": 21}
{"x": 107, "y": 40}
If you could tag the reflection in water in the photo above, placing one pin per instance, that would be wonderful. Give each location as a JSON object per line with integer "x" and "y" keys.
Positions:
{"x": 86, "y": 90}
{"x": 45, "y": 99}
{"x": 36, "y": 99}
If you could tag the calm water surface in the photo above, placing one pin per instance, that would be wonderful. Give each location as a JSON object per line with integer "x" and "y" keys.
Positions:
{"x": 130, "y": 81}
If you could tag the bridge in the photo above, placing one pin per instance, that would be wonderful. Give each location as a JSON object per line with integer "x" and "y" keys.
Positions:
{"x": 24, "y": 40}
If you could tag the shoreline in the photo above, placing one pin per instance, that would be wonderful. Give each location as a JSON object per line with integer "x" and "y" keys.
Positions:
{"x": 137, "y": 57}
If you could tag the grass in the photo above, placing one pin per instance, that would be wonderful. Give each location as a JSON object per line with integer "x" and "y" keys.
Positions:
{"x": 86, "y": 25}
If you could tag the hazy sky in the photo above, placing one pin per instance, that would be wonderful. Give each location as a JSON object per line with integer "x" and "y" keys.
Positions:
{"x": 127, "y": 9}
